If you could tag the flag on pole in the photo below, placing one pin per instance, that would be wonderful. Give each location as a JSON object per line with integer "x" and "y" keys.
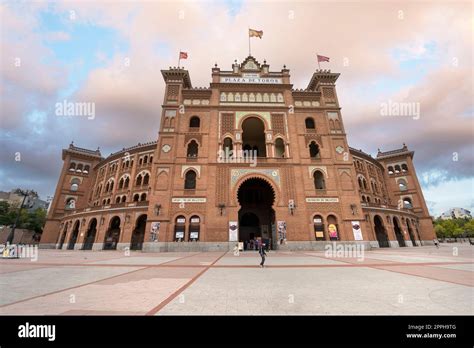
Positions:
{"x": 183, "y": 55}
{"x": 322, "y": 58}
{"x": 256, "y": 33}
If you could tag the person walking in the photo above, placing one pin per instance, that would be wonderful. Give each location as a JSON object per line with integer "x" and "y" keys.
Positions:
{"x": 436, "y": 243}
{"x": 261, "y": 251}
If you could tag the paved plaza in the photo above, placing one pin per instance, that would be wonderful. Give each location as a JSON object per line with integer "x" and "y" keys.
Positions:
{"x": 394, "y": 281}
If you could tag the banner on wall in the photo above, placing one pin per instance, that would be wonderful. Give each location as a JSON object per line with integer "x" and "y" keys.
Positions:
{"x": 332, "y": 231}
{"x": 281, "y": 225}
{"x": 155, "y": 230}
{"x": 357, "y": 230}
{"x": 233, "y": 231}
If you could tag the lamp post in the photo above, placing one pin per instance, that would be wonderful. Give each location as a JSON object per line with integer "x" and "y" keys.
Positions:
{"x": 24, "y": 193}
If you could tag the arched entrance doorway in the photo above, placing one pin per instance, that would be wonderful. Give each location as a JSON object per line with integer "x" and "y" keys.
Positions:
{"x": 398, "y": 233}
{"x": 113, "y": 234}
{"x": 62, "y": 238}
{"x": 380, "y": 233}
{"x": 253, "y": 136}
{"x": 256, "y": 215}
{"x": 194, "y": 228}
{"x": 74, "y": 234}
{"x": 90, "y": 235}
{"x": 410, "y": 232}
{"x": 138, "y": 234}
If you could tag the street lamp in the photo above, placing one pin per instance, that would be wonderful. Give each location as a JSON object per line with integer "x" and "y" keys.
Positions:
{"x": 24, "y": 193}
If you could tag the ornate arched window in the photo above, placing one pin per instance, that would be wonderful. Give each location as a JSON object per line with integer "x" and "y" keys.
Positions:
{"x": 319, "y": 183}
{"x": 146, "y": 179}
{"x": 139, "y": 180}
{"x": 190, "y": 180}
{"x": 75, "y": 184}
{"x": 407, "y": 203}
{"x": 193, "y": 149}
{"x": 279, "y": 148}
{"x": 228, "y": 146}
{"x": 194, "y": 122}
{"x": 402, "y": 185}
{"x": 314, "y": 150}
{"x": 309, "y": 123}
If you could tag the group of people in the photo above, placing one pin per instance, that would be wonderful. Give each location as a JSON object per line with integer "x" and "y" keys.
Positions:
{"x": 254, "y": 244}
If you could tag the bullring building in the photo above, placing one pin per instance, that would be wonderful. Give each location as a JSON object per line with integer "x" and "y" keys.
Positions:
{"x": 246, "y": 158}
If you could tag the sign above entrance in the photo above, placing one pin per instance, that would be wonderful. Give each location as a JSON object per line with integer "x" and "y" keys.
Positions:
{"x": 322, "y": 200}
{"x": 188, "y": 200}
{"x": 251, "y": 78}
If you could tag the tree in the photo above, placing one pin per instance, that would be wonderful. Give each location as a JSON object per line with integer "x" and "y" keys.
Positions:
{"x": 25, "y": 194}
{"x": 7, "y": 214}
{"x": 469, "y": 228}
{"x": 440, "y": 231}
{"x": 35, "y": 220}
{"x": 458, "y": 232}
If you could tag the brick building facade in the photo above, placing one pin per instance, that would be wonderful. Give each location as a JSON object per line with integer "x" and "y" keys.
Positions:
{"x": 247, "y": 158}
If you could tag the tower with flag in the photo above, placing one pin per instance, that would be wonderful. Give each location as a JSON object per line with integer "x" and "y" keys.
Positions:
{"x": 182, "y": 55}
{"x": 254, "y": 33}
{"x": 322, "y": 59}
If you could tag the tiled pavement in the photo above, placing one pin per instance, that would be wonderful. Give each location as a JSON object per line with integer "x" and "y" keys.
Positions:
{"x": 387, "y": 281}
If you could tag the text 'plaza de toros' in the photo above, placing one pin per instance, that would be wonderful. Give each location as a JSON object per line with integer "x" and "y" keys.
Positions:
{"x": 248, "y": 158}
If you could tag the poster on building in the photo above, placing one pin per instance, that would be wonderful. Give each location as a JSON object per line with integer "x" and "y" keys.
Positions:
{"x": 332, "y": 231}
{"x": 155, "y": 230}
{"x": 233, "y": 231}
{"x": 357, "y": 230}
{"x": 281, "y": 225}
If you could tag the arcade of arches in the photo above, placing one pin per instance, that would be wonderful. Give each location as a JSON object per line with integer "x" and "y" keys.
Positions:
{"x": 112, "y": 236}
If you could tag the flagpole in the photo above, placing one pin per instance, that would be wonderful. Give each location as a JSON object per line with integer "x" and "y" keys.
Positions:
{"x": 248, "y": 33}
{"x": 319, "y": 66}
{"x": 179, "y": 57}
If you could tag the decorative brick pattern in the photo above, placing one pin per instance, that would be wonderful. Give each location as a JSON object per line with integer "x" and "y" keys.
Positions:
{"x": 227, "y": 123}
{"x": 328, "y": 93}
{"x": 221, "y": 185}
{"x": 278, "y": 124}
{"x": 173, "y": 92}
{"x": 309, "y": 137}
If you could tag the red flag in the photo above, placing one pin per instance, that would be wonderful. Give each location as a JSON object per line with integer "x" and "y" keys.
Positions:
{"x": 322, "y": 58}
{"x": 183, "y": 55}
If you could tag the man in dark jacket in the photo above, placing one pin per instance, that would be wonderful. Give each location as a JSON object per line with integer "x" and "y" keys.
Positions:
{"x": 261, "y": 251}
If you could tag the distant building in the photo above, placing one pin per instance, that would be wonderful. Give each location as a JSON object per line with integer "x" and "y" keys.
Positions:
{"x": 456, "y": 213}
{"x": 31, "y": 204}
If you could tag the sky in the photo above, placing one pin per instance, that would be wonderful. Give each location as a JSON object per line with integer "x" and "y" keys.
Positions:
{"x": 111, "y": 53}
